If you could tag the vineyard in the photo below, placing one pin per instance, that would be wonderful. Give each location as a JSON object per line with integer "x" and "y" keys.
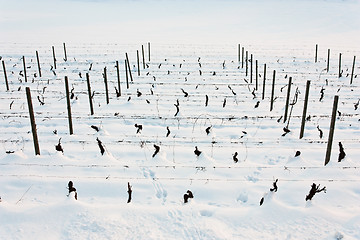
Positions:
{"x": 223, "y": 121}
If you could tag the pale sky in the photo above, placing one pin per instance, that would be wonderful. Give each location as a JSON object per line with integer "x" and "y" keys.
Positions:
{"x": 176, "y": 21}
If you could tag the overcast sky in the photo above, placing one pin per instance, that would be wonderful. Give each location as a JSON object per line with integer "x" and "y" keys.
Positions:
{"x": 180, "y": 21}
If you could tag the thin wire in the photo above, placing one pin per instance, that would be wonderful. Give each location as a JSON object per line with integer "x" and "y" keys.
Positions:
{"x": 175, "y": 178}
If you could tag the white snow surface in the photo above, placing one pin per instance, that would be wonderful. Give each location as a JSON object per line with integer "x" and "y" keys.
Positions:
{"x": 194, "y": 49}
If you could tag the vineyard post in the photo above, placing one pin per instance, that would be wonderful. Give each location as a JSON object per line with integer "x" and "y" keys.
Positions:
{"x": 263, "y": 93}
{"x": 68, "y": 105}
{"x": 251, "y": 68}
{"x": 38, "y": 63}
{"x": 128, "y": 64}
{"x": 24, "y": 68}
{"x": 316, "y": 52}
{"x": 65, "y": 59}
{"x": 32, "y": 121}
{"x": 149, "y": 50}
{"x": 328, "y": 61}
{"x": 89, "y": 93}
{"x": 272, "y": 92}
{"x": 287, "y": 99}
{"x": 53, "y": 51}
{"x": 256, "y": 73}
{"x": 6, "y": 80}
{"x": 352, "y": 70}
{"x": 238, "y": 52}
{"x": 118, "y": 76}
{"x": 340, "y": 65}
{"x": 106, "y": 86}
{"x": 138, "y": 62}
{"x": 242, "y": 57}
{"x": 127, "y": 75}
{"x": 246, "y": 63}
{"x": 143, "y": 55}
{"x": 332, "y": 128}
{"x": 303, "y": 120}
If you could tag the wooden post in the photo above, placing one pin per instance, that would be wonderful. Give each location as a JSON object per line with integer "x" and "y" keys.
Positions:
{"x": 38, "y": 63}
{"x": 263, "y": 93}
{"x": 256, "y": 73}
{"x": 127, "y": 75}
{"x": 138, "y": 62}
{"x": 118, "y": 77}
{"x": 328, "y": 61}
{"x": 106, "y": 87}
{"x": 5, "y": 75}
{"x": 316, "y": 52}
{"x": 149, "y": 50}
{"x": 68, "y": 105}
{"x": 53, "y": 51}
{"x": 239, "y": 52}
{"x": 89, "y": 93}
{"x": 246, "y": 63}
{"x": 242, "y": 57}
{"x": 340, "y": 65}
{"x": 24, "y": 69}
{"x": 143, "y": 55}
{"x": 251, "y": 68}
{"x": 352, "y": 70}
{"x": 305, "y": 109}
{"x": 332, "y": 128}
{"x": 32, "y": 121}
{"x": 65, "y": 59}
{"x": 128, "y": 64}
{"x": 272, "y": 92}
{"x": 287, "y": 99}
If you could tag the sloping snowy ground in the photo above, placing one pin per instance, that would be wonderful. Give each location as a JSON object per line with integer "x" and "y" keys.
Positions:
{"x": 281, "y": 34}
{"x": 226, "y": 194}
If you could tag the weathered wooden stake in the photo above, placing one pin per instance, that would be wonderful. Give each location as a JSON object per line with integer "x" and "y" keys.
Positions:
{"x": 263, "y": 93}
{"x": 38, "y": 63}
{"x": 242, "y": 57}
{"x": 256, "y": 77}
{"x": 128, "y": 64}
{"x": 316, "y": 52}
{"x": 106, "y": 87}
{"x": 352, "y": 70}
{"x": 332, "y": 128}
{"x": 89, "y": 93}
{"x": 65, "y": 59}
{"x": 138, "y": 62}
{"x": 143, "y": 55}
{"x": 118, "y": 77}
{"x": 25, "y": 75}
{"x": 32, "y": 121}
{"x": 53, "y": 51}
{"x": 303, "y": 120}
{"x": 287, "y": 99}
{"x": 149, "y": 50}
{"x": 5, "y": 75}
{"x": 328, "y": 61}
{"x": 127, "y": 75}
{"x": 251, "y": 68}
{"x": 246, "y": 63}
{"x": 272, "y": 92}
{"x": 68, "y": 105}
{"x": 340, "y": 65}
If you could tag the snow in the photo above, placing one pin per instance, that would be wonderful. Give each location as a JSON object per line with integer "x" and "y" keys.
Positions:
{"x": 226, "y": 204}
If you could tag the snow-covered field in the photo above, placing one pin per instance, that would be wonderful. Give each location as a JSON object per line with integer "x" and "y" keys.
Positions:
{"x": 221, "y": 111}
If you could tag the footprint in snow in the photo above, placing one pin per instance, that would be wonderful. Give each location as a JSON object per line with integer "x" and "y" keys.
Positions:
{"x": 243, "y": 197}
